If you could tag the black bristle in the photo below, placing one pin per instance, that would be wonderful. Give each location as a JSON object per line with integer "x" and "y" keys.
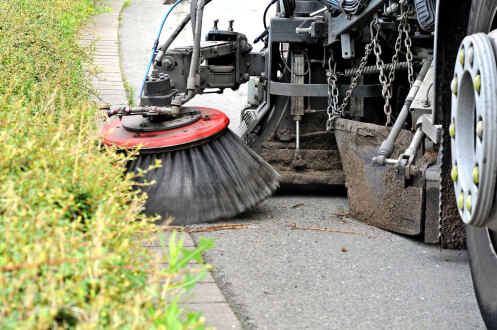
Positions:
{"x": 218, "y": 179}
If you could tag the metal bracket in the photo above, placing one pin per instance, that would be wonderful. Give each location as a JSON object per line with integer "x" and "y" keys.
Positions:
{"x": 321, "y": 90}
{"x": 348, "y": 46}
{"x": 433, "y": 132}
{"x": 284, "y": 30}
{"x": 432, "y": 205}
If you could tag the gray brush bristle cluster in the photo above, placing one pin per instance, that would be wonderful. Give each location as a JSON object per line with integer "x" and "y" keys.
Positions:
{"x": 218, "y": 179}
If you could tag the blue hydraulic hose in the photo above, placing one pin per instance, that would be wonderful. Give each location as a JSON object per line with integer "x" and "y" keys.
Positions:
{"x": 332, "y": 3}
{"x": 156, "y": 44}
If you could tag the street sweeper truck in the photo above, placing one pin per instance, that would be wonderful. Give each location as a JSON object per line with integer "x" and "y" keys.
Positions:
{"x": 394, "y": 99}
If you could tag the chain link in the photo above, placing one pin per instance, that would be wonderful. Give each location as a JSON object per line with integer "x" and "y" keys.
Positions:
{"x": 333, "y": 92}
{"x": 404, "y": 28}
{"x": 386, "y": 82}
{"x": 335, "y": 110}
{"x": 408, "y": 43}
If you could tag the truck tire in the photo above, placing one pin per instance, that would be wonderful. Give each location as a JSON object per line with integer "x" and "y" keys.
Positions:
{"x": 482, "y": 242}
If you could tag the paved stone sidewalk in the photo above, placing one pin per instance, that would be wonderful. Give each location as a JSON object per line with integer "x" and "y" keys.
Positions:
{"x": 102, "y": 32}
{"x": 206, "y": 295}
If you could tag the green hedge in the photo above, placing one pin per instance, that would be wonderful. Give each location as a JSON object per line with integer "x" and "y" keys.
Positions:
{"x": 69, "y": 219}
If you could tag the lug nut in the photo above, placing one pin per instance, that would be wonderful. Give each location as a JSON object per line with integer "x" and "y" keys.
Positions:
{"x": 476, "y": 175}
{"x": 454, "y": 85}
{"x": 477, "y": 83}
{"x": 454, "y": 173}
{"x": 461, "y": 57}
{"x": 471, "y": 56}
{"x": 479, "y": 129}
{"x": 469, "y": 201}
{"x": 460, "y": 201}
{"x": 452, "y": 130}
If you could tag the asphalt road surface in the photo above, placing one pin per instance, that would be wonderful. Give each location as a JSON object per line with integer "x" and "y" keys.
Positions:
{"x": 277, "y": 277}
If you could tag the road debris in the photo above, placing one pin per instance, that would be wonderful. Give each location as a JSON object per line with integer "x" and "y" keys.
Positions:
{"x": 297, "y": 205}
{"x": 293, "y": 226}
{"x": 345, "y": 214}
{"x": 208, "y": 229}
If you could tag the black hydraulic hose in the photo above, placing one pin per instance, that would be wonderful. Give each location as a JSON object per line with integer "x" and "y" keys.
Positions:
{"x": 178, "y": 30}
{"x": 388, "y": 146}
{"x": 193, "y": 13}
{"x": 262, "y": 35}
{"x": 265, "y": 12}
{"x": 170, "y": 40}
{"x": 191, "y": 82}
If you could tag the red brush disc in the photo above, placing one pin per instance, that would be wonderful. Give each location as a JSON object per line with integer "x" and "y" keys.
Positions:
{"x": 211, "y": 123}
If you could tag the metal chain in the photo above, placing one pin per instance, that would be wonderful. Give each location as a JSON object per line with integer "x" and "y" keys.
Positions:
{"x": 404, "y": 28}
{"x": 385, "y": 81}
{"x": 408, "y": 43}
{"x": 335, "y": 111}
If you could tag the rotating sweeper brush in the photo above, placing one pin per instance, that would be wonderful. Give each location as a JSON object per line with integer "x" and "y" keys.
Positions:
{"x": 207, "y": 172}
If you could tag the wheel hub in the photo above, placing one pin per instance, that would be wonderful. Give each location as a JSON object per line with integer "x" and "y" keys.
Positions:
{"x": 474, "y": 130}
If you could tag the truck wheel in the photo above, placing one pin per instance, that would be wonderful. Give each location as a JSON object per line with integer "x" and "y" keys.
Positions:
{"x": 482, "y": 242}
{"x": 482, "y": 245}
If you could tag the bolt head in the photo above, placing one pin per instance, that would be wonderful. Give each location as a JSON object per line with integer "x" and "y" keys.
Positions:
{"x": 454, "y": 85}
{"x": 452, "y": 130}
{"x": 460, "y": 201}
{"x": 471, "y": 56}
{"x": 469, "y": 202}
{"x": 476, "y": 175}
{"x": 462, "y": 56}
{"x": 454, "y": 173}
{"x": 479, "y": 129}
{"x": 477, "y": 83}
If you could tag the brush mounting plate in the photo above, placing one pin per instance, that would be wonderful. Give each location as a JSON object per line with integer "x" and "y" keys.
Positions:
{"x": 151, "y": 124}
{"x": 210, "y": 124}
